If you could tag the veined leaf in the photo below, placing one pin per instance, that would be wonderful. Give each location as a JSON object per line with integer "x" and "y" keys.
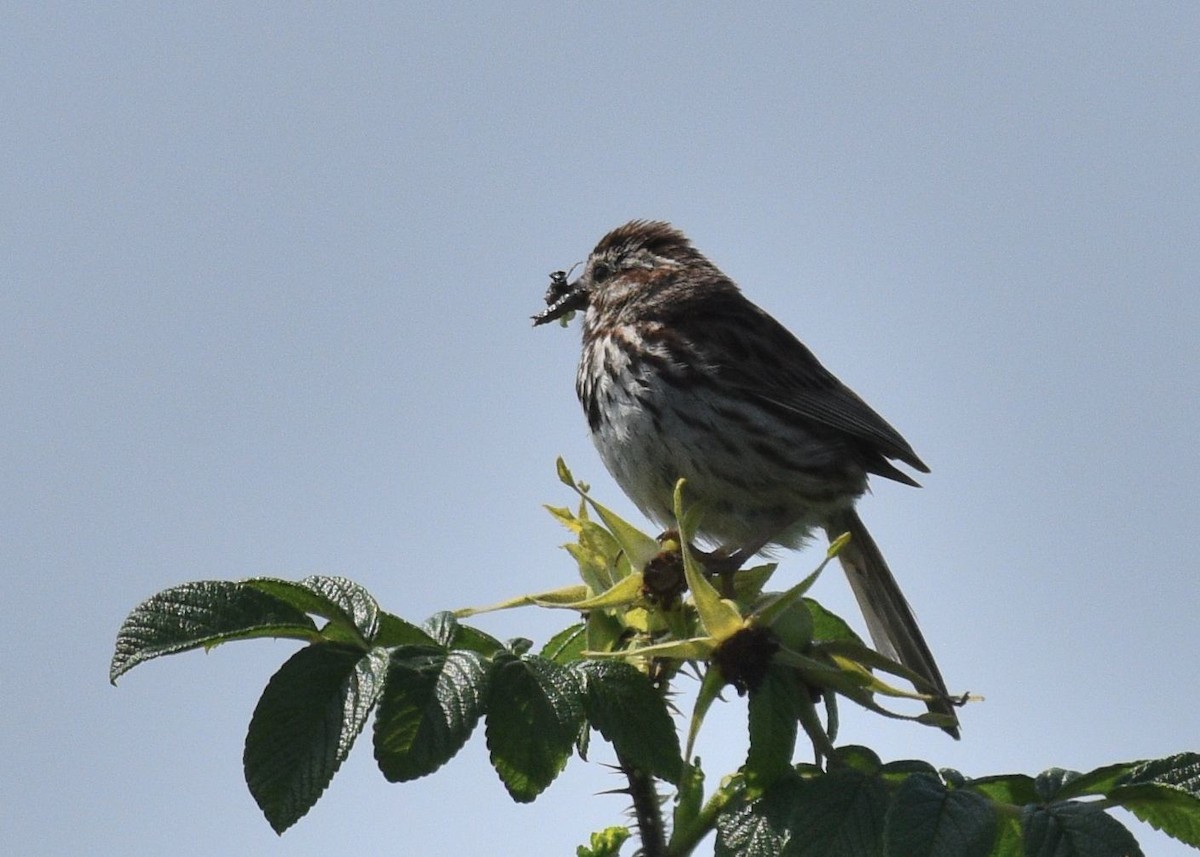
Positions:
{"x": 1073, "y": 829}
{"x": 773, "y": 712}
{"x": 428, "y": 710}
{"x": 204, "y": 614}
{"x": 625, "y": 708}
{"x": 1014, "y": 789}
{"x": 759, "y": 828}
{"x": 841, "y": 812}
{"x": 1165, "y": 793}
{"x": 534, "y": 712}
{"x": 305, "y": 724}
{"x": 926, "y": 818}
{"x": 352, "y": 612}
{"x": 567, "y": 645}
{"x": 394, "y": 631}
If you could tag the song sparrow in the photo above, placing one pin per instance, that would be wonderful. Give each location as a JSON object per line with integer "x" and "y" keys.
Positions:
{"x": 682, "y": 376}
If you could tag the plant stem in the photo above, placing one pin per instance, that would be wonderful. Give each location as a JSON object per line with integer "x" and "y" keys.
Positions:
{"x": 646, "y": 809}
{"x": 683, "y": 842}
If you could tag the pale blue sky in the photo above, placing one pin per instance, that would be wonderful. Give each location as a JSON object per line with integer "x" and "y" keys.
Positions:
{"x": 267, "y": 278}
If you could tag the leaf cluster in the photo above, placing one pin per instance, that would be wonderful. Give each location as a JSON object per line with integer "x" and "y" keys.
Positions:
{"x": 644, "y": 614}
{"x": 428, "y": 687}
{"x": 864, "y": 807}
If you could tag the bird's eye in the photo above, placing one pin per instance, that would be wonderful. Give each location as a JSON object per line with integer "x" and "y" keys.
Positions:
{"x": 600, "y": 271}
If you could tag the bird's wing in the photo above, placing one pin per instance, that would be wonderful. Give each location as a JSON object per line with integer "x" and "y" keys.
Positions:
{"x": 776, "y": 369}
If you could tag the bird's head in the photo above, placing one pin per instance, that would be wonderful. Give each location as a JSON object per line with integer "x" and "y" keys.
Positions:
{"x": 632, "y": 262}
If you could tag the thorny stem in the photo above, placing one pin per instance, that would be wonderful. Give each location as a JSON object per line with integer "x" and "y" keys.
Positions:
{"x": 646, "y": 809}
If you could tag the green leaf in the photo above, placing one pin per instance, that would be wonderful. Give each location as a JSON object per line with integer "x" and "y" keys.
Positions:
{"x": 860, "y": 758}
{"x": 851, "y": 679}
{"x": 1174, "y": 812}
{"x": 773, "y": 711}
{"x": 817, "y": 732}
{"x": 638, "y": 546}
{"x": 629, "y": 712}
{"x": 835, "y": 546}
{"x": 1008, "y": 837}
{"x": 1014, "y": 789}
{"x": 205, "y": 613}
{"x": 1074, "y": 829}
{"x": 926, "y": 819}
{"x": 720, "y": 618}
{"x": 625, "y": 592}
{"x": 603, "y": 551}
{"x": 748, "y": 583}
{"x": 534, "y": 712}
{"x": 564, "y": 474}
{"x": 695, "y": 649}
{"x": 1049, "y": 783}
{"x": 830, "y": 626}
{"x": 953, "y": 778}
{"x": 1097, "y": 782}
{"x": 604, "y": 632}
{"x": 430, "y": 706}
{"x": 565, "y": 517}
{"x": 606, "y": 843}
{"x": 471, "y": 639}
{"x": 760, "y": 828}
{"x": 863, "y": 658}
{"x": 567, "y": 645}
{"x": 831, "y": 716}
{"x": 442, "y": 627}
{"x": 793, "y": 627}
{"x": 598, "y": 556}
{"x": 1182, "y": 771}
{"x": 394, "y": 631}
{"x": 564, "y": 596}
{"x": 773, "y": 606}
{"x": 352, "y": 612}
{"x": 305, "y": 724}
{"x": 840, "y": 814}
{"x": 901, "y": 769}
{"x": 1165, "y": 793}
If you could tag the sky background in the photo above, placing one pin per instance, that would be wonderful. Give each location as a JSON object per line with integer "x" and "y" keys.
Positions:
{"x": 267, "y": 274}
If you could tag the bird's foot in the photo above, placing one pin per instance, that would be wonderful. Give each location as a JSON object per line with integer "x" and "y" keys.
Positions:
{"x": 722, "y": 563}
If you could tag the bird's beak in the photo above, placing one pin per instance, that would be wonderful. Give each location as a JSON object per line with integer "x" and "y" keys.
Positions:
{"x": 562, "y": 298}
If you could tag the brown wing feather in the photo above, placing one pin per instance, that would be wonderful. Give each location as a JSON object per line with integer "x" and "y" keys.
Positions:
{"x": 795, "y": 382}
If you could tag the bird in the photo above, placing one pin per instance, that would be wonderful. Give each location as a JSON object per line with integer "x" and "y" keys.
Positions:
{"x": 682, "y": 376}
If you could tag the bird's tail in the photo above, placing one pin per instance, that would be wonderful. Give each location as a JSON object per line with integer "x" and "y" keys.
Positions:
{"x": 890, "y": 620}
